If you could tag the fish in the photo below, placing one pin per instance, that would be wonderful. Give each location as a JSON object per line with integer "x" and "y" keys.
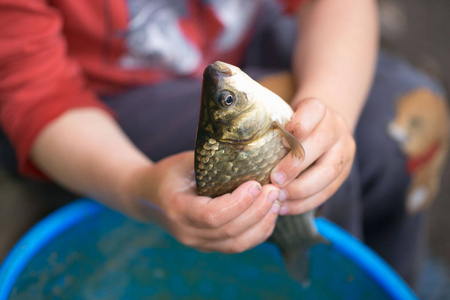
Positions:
{"x": 239, "y": 138}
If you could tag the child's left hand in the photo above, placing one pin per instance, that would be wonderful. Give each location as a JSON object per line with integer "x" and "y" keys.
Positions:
{"x": 330, "y": 151}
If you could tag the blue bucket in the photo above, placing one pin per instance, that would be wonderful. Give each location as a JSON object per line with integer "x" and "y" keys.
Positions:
{"x": 87, "y": 251}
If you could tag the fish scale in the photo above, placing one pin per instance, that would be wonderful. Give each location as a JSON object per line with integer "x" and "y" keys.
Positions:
{"x": 233, "y": 165}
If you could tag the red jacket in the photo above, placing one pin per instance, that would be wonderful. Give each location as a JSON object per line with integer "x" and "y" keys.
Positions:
{"x": 58, "y": 55}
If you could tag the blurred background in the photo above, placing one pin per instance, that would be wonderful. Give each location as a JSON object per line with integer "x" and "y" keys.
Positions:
{"x": 417, "y": 30}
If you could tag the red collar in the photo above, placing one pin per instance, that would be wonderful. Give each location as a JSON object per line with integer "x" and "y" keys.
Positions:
{"x": 415, "y": 163}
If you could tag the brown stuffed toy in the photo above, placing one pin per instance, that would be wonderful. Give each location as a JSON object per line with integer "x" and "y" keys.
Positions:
{"x": 421, "y": 127}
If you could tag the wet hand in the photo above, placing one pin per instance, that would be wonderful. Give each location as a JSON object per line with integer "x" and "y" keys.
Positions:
{"x": 230, "y": 223}
{"x": 330, "y": 151}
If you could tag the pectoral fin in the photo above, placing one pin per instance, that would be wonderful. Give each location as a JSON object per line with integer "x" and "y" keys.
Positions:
{"x": 294, "y": 144}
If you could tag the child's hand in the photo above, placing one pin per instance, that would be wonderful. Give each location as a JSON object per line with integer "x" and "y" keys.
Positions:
{"x": 330, "y": 150}
{"x": 230, "y": 223}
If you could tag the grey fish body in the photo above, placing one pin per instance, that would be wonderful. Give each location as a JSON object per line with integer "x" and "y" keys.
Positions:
{"x": 240, "y": 138}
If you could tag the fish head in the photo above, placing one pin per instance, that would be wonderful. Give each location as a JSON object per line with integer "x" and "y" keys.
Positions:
{"x": 230, "y": 109}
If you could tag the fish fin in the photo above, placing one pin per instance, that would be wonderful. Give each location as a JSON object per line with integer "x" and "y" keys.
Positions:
{"x": 294, "y": 144}
{"x": 297, "y": 260}
{"x": 296, "y": 235}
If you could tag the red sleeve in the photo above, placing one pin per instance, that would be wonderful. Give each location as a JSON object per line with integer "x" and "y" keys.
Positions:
{"x": 291, "y": 6}
{"x": 38, "y": 82}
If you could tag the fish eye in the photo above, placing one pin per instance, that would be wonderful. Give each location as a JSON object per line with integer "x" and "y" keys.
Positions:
{"x": 226, "y": 99}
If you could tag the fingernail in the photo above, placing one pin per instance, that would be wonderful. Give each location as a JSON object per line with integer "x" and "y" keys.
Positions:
{"x": 284, "y": 210}
{"x": 273, "y": 195}
{"x": 255, "y": 190}
{"x": 279, "y": 178}
{"x": 275, "y": 208}
{"x": 283, "y": 195}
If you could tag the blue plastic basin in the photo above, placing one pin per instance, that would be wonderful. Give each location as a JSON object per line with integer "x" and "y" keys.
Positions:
{"x": 87, "y": 251}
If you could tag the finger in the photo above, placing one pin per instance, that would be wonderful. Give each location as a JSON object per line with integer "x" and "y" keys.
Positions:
{"x": 317, "y": 143}
{"x": 247, "y": 240}
{"x": 200, "y": 218}
{"x": 308, "y": 114}
{"x": 294, "y": 207}
{"x": 324, "y": 171}
{"x": 266, "y": 203}
{"x": 205, "y": 212}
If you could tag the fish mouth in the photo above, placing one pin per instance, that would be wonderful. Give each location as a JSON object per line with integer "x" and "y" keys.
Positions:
{"x": 215, "y": 71}
{"x": 221, "y": 68}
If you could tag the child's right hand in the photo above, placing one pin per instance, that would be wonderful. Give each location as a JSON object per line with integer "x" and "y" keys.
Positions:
{"x": 165, "y": 192}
